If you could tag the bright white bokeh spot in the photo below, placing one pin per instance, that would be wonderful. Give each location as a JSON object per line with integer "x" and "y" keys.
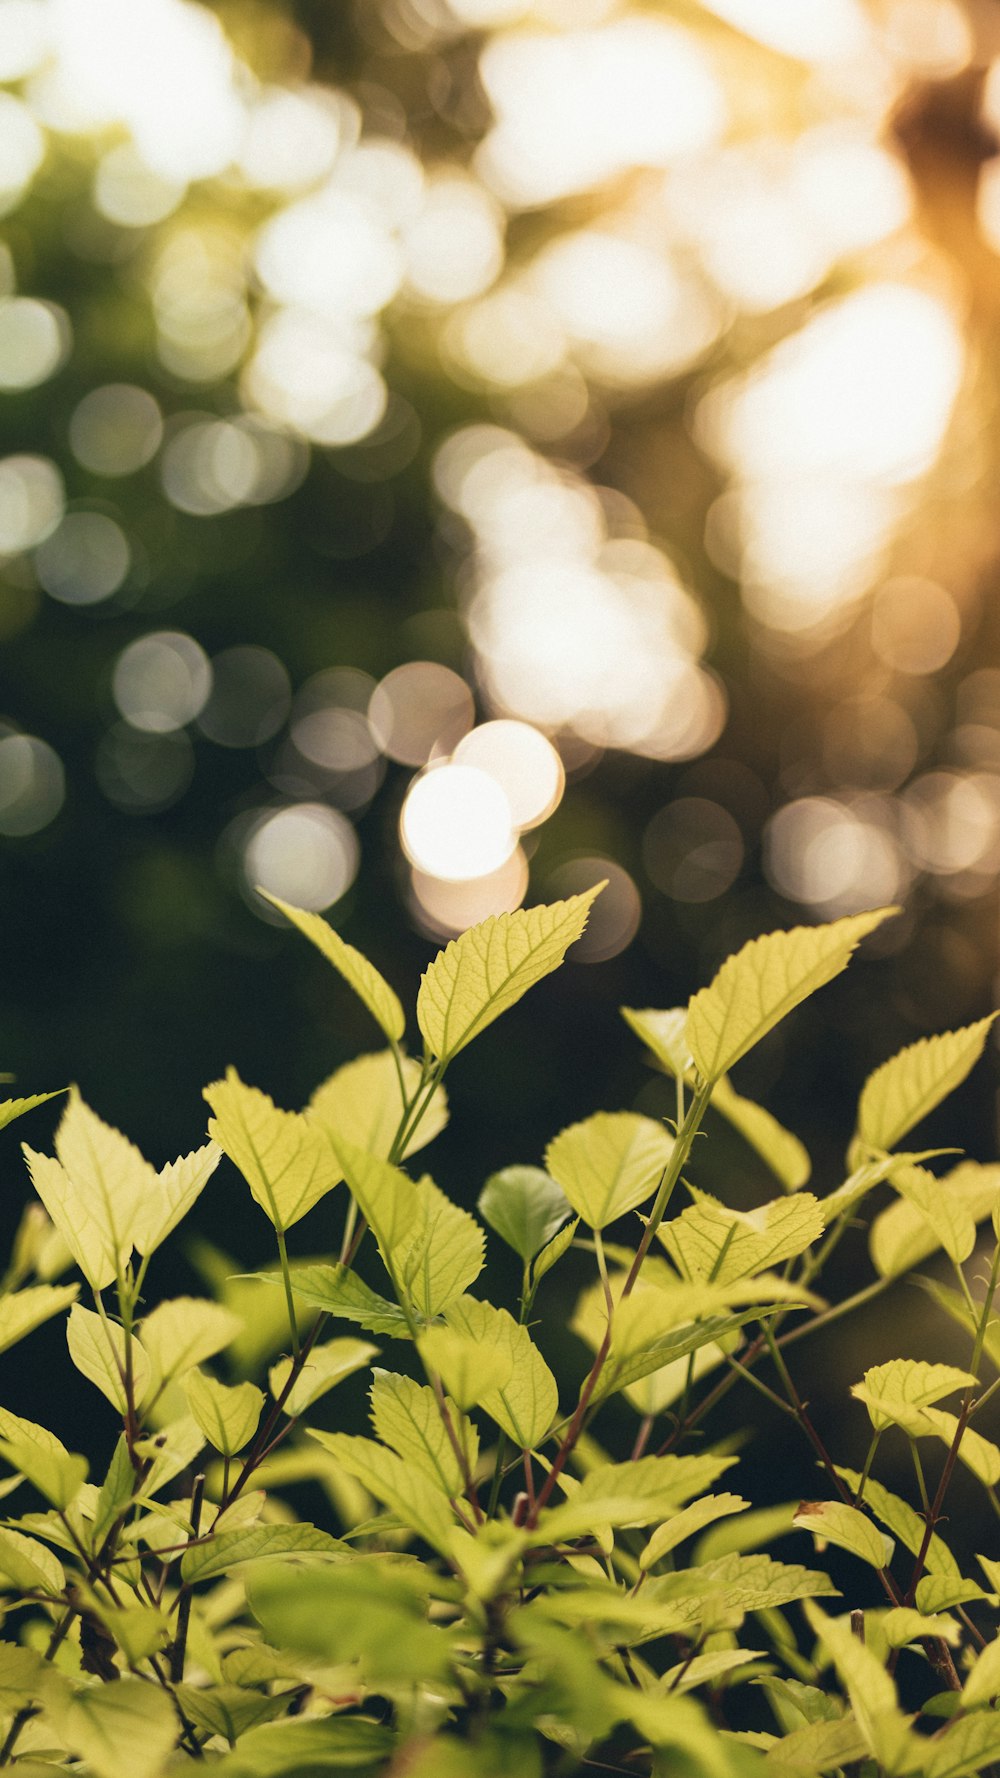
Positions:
{"x": 129, "y": 193}
{"x": 32, "y": 785}
{"x": 115, "y": 429}
{"x": 85, "y": 560}
{"x": 32, "y": 501}
{"x": 162, "y": 681}
{"x": 444, "y": 909}
{"x": 454, "y": 247}
{"x": 622, "y": 305}
{"x": 835, "y": 858}
{"x": 420, "y": 711}
{"x": 330, "y": 253}
{"x": 306, "y": 854}
{"x": 34, "y": 340}
{"x": 574, "y": 109}
{"x": 524, "y": 763}
{"x": 456, "y": 823}
{"x": 291, "y": 137}
{"x": 950, "y": 822}
{"x": 916, "y": 625}
{"x": 311, "y": 374}
{"x": 25, "y": 35}
{"x": 507, "y": 338}
{"x": 22, "y": 144}
{"x": 812, "y": 30}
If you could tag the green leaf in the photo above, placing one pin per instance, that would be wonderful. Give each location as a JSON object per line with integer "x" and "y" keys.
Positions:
{"x": 818, "y": 1747}
{"x": 184, "y": 1331}
{"x": 966, "y": 1748}
{"x": 325, "y": 1366}
{"x": 228, "y": 1710}
{"x": 178, "y": 1186}
{"x": 431, "y": 1249}
{"x": 97, "y": 1348}
{"x": 370, "y": 987}
{"x": 310, "y": 1749}
{"x": 903, "y": 1522}
{"x": 362, "y": 1104}
{"x": 524, "y": 1207}
{"x": 712, "y": 1242}
{"x": 57, "y": 1475}
{"x": 227, "y": 1415}
{"x": 408, "y": 1494}
{"x": 139, "y": 1630}
{"x": 765, "y": 980}
{"x": 467, "y": 1371}
{"x": 406, "y": 1416}
{"x": 115, "y": 1494}
{"x": 955, "y": 1306}
{"x": 128, "y": 1727}
{"x": 940, "y": 1592}
{"x": 22, "y": 1675}
{"x": 831, "y": 1521}
{"x": 488, "y": 969}
{"x": 12, "y": 1108}
{"x": 369, "y": 1610}
{"x": 625, "y": 1494}
{"x": 24, "y": 1310}
{"x": 687, "y": 1522}
{"x": 897, "y": 1393}
{"x": 345, "y": 1295}
{"x": 286, "y": 1160}
{"x": 979, "y": 1454}
{"x": 901, "y": 1236}
{"x": 905, "y": 1089}
{"x": 664, "y": 1034}
{"x": 93, "y": 1191}
{"x": 525, "y": 1401}
{"x": 609, "y": 1163}
{"x": 903, "y": 1625}
{"x": 26, "y": 1566}
{"x": 254, "y": 1543}
{"x": 871, "y": 1691}
{"x": 952, "y": 1224}
{"x": 552, "y": 1253}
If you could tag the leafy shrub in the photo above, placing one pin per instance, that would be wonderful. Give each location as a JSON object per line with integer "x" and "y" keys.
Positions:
{"x": 504, "y": 1596}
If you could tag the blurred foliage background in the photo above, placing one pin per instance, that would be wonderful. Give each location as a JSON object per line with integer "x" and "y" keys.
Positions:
{"x": 455, "y": 450}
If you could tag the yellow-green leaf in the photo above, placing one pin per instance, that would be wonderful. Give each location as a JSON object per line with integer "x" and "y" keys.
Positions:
{"x": 24, "y": 1310}
{"x": 902, "y": 1235}
{"x": 897, "y": 1393}
{"x": 687, "y": 1522}
{"x": 432, "y": 1249}
{"x": 871, "y": 1691}
{"x": 128, "y": 1727}
{"x": 12, "y": 1108}
{"x": 56, "y": 1474}
{"x": 467, "y": 1371}
{"x": 408, "y": 1494}
{"x": 407, "y": 1417}
{"x": 953, "y": 1226}
{"x": 525, "y": 1401}
{"x": 487, "y": 970}
{"x": 524, "y": 1207}
{"x": 626, "y": 1494}
{"x": 983, "y": 1683}
{"x": 178, "y": 1185}
{"x": 286, "y": 1160}
{"x": 228, "y": 1416}
{"x": 252, "y": 1543}
{"x": 757, "y": 987}
{"x": 979, "y": 1454}
{"x": 325, "y": 1366}
{"x": 370, "y": 987}
{"x": 348, "y": 1297}
{"x": 186, "y": 1330}
{"x": 904, "y": 1523}
{"x": 362, "y": 1104}
{"x": 712, "y": 1242}
{"x": 833, "y": 1521}
{"x": 907, "y": 1087}
{"x": 94, "y": 1190}
{"x": 97, "y": 1348}
{"x": 664, "y": 1034}
{"x": 27, "y": 1566}
{"x": 609, "y": 1163}
{"x": 902, "y": 1625}
{"x": 967, "y": 1748}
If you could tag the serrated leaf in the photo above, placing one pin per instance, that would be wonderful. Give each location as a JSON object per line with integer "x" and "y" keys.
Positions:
{"x": 227, "y": 1414}
{"x": 27, "y": 1566}
{"x": 93, "y": 1190}
{"x": 871, "y": 1691}
{"x": 524, "y": 1207}
{"x": 13, "y": 1108}
{"x": 409, "y": 1495}
{"x": 228, "y": 1710}
{"x": 186, "y": 1330}
{"x": 406, "y": 1416}
{"x": 98, "y": 1350}
{"x": 323, "y": 1369}
{"x": 897, "y": 1393}
{"x": 369, "y": 1612}
{"x": 767, "y": 978}
{"x": 362, "y": 1104}
{"x": 488, "y": 969}
{"x": 345, "y": 1295}
{"x": 953, "y": 1227}
{"x": 178, "y": 1186}
{"x": 466, "y": 1370}
{"x": 903, "y": 1625}
{"x": 253, "y": 1543}
{"x": 56, "y": 1474}
{"x": 626, "y": 1494}
{"x": 687, "y": 1522}
{"x": 431, "y": 1249}
{"x": 286, "y": 1160}
{"x": 832, "y": 1521}
{"x": 710, "y": 1241}
{"x": 736, "y": 1584}
{"x": 128, "y": 1727}
{"x": 609, "y": 1163}
{"x": 905, "y": 1089}
{"x": 24, "y": 1310}
{"x": 901, "y": 1236}
{"x": 173, "y": 1448}
{"x": 525, "y": 1400}
{"x": 20, "y": 1431}
{"x": 664, "y": 1034}
{"x": 903, "y": 1522}
{"x": 370, "y": 987}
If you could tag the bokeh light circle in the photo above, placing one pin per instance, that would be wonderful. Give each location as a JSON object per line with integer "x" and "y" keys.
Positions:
{"x": 456, "y": 823}
{"x": 524, "y": 763}
{"x": 162, "y": 681}
{"x": 307, "y": 854}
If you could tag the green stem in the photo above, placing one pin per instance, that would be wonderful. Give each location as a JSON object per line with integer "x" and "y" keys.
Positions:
{"x": 286, "y": 1278}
